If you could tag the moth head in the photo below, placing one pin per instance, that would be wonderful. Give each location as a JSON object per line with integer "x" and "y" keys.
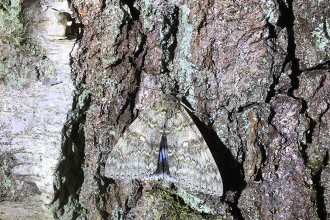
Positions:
{"x": 166, "y": 89}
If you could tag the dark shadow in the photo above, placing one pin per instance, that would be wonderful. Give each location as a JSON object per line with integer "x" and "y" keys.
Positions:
{"x": 272, "y": 37}
{"x": 231, "y": 171}
{"x": 74, "y": 30}
{"x": 325, "y": 66}
{"x": 134, "y": 12}
{"x": 321, "y": 209}
{"x": 287, "y": 19}
{"x": 69, "y": 174}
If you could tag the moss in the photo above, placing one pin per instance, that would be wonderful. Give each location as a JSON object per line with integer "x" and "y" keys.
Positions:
{"x": 71, "y": 209}
{"x": 175, "y": 207}
{"x": 315, "y": 165}
{"x": 178, "y": 204}
{"x": 316, "y": 162}
{"x": 312, "y": 188}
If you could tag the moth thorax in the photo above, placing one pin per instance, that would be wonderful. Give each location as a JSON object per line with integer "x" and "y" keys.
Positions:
{"x": 165, "y": 130}
{"x": 169, "y": 114}
{"x": 167, "y": 90}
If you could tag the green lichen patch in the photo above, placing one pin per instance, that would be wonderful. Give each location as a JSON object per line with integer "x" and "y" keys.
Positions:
{"x": 7, "y": 190}
{"x": 20, "y": 61}
{"x": 22, "y": 64}
{"x": 316, "y": 161}
{"x": 178, "y": 204}
{"x": 108, "y": 81}
{"x": 321, "y": 41}
{"x": 11, "y": 28}
{"x": 83, "y": 99}
{"x": 194, "y": 202}
{"x": 70, "y": 209}
{"x": 117, "y": 213}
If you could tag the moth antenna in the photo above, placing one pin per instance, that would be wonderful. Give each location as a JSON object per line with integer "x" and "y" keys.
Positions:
{"x": 191, "y": 110}
{"x": 148, "y": 88}
{"x": 174, "y": 93}
{"x": 166, "y": 90}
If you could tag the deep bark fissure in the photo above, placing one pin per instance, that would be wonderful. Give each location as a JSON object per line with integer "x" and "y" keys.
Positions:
{"x": 134, "y": 12}
{"x": 325, "y": 66}
{"x": 272, "y": 36}
{"x": 321, "y": 209}
{"x": 70, "y": 169}
{"x": 296, "y": 72}
{"x": 169, "y": 40}
{"x": 308, "y": 135}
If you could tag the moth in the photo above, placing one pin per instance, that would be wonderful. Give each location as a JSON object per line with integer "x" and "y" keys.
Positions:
{"x": 163, "y": 142}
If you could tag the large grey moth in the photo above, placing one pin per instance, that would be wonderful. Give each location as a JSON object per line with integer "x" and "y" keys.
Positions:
{"x": 163, "y": 142}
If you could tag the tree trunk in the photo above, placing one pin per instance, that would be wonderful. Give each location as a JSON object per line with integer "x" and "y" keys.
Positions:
{"x": 255, "y": 75}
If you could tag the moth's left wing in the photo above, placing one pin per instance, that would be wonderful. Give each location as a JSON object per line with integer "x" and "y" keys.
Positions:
{"x": 135, "y": 156}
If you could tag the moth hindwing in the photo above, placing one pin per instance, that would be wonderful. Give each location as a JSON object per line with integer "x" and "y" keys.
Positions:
{"x": 164, "y": 142}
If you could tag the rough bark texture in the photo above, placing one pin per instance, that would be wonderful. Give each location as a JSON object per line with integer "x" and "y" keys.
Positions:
{"x": 258, "y": 71}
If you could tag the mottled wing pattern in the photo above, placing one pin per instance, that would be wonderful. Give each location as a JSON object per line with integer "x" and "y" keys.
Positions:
{"x": 190, "y": 160}
{"x": 136, "y": 153}
{"x": 191, "y": 163}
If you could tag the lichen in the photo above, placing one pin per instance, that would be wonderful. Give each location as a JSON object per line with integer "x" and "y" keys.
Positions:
{"x": 21, "y": 62}
{"x": 321, "y": 41}
{"x": 316, "y": 161}
{"x": 271, "y": 12}
{"x": 83, "y": 99}
{"x": 11, "y": 80}
{"x": 71, "y": 210}
{"x": 5, "y": 181}
{"x": 117, "y": 213}
{"x": 194, "y": 202}
{"x": 178, "y": 204}
{"x": 185, "y": 33}
{"x": 108, "y": 81}
{"x": 11, "y": 28}
{"x": 174, "y": 207}
{"x": 108, "y": 54}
